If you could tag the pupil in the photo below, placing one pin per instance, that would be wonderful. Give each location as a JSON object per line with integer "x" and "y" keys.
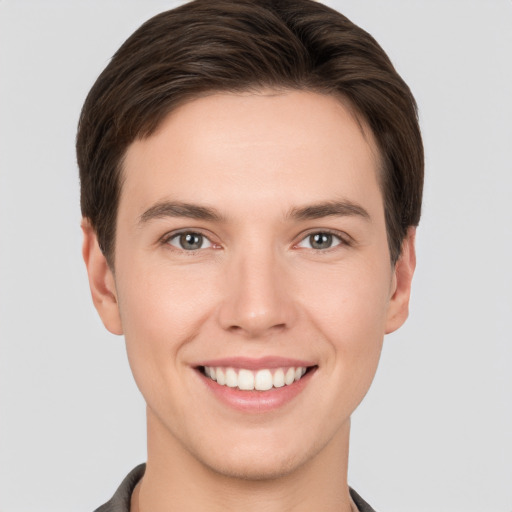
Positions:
{"x": 321, "y": 240}
{"x": 191, "y": 241}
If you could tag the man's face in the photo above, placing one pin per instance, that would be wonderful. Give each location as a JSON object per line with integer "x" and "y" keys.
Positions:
{"x": 251, "y": 243}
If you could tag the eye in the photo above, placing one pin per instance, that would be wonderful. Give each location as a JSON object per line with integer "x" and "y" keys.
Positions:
{"x": 320, "y": 240}
{"x": 189, "y": 241}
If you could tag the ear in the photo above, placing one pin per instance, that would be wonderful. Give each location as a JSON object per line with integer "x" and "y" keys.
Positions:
{"x": 398, "y": 310}
{"x": 101, "y": 280}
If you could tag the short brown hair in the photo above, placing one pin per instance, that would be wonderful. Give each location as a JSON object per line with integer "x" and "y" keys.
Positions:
{"x": 242, "y": 45}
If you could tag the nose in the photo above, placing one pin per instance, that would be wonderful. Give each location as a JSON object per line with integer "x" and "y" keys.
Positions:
{"x": 257, "y": 298}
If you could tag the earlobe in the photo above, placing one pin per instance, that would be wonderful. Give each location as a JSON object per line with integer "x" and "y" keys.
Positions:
{"x": 404, "y": 270}
{"x": 101, "y": 280}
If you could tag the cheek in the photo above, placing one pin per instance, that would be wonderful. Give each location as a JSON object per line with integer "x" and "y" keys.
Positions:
{"x": 350, "y": 316}
{"x": 161, "y": 311}
{"x": 349, "y": 297}
{"x": 349, "y": 307}
{"x": 158, "y": 300}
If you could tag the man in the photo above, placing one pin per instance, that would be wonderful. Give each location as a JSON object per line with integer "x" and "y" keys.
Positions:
{"x": 251, "y": 177}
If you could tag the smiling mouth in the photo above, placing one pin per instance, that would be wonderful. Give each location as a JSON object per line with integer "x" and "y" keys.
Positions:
{"x": 259, "y": 380}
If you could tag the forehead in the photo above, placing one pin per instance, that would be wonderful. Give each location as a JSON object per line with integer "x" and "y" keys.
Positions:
{"x": 259, "y": 146}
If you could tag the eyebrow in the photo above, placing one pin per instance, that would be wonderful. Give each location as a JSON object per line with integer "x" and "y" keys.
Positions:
{"x": 314, "y": 211}
{"x": 178, "y": 209}
{"x": 328, "y": 209}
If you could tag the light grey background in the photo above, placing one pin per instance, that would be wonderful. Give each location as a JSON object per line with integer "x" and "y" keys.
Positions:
{"x": 434, "y": 433}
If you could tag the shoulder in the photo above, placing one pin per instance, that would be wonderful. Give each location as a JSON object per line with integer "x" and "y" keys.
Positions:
{"x": 120, "y": 501}
{"x": 362, "y": 506}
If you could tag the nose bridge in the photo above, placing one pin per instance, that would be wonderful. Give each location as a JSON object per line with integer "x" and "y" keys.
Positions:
{"x": 257, "y": 298}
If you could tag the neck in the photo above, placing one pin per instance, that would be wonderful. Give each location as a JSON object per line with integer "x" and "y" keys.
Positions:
{"x": 176, "y": 478}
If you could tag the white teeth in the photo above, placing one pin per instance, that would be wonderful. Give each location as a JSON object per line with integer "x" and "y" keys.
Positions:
{"x": 221, "y": 378}
{"x": 299, "y": 372}
{"x": 278, "y": 379}
{"x": 248, "y": 380}
{"x": 231, "y": 378}
{"x": 290, "y": 376}
{"x": 263, "y": 380}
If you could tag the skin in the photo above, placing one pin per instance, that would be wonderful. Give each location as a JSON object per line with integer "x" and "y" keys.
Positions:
{"x": 257, "y": 287}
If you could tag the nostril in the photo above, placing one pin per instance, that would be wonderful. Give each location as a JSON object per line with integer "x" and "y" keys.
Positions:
{"x": 255, "y": 330}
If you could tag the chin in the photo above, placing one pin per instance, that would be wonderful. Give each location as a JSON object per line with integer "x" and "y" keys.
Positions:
{"x": 262, "y": 457}
{"x": 255, "y": 469}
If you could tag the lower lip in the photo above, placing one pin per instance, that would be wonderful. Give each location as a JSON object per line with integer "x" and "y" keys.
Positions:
{"x": 257, "y": 401}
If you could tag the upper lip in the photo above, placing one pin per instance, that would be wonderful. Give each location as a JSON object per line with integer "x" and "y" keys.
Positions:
{"x": 250, "y": 363}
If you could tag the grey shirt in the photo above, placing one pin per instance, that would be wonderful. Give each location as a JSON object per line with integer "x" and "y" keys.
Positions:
{"x": 120, "y": 502}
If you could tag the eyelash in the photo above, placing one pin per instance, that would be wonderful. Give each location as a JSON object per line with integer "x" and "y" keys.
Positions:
{"x": 167, "y": 239}
{"x": 342, "y": 240}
